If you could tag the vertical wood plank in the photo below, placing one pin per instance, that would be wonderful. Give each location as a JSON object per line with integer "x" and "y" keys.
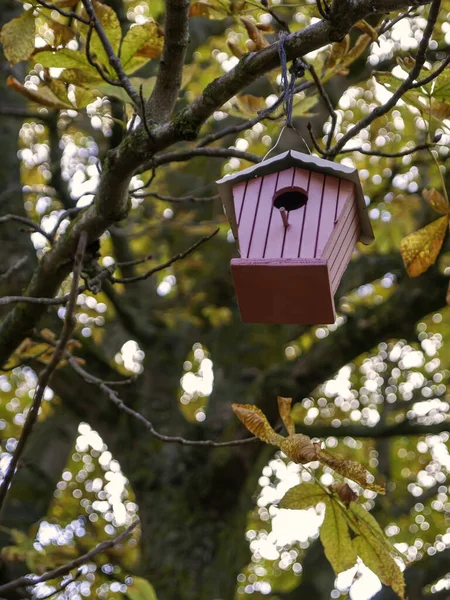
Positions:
{"x": 248, "y": 214}
{"x": 327, "y": 214}
{"x": 345, "y": 189}
{"x": 294, "y": 231}
{"x": 238, "y": 198}
{"x": 262, "y": 220}
{"x": 345, "y": 254}
{"x": 313, "y": 207}
{"x": 276, "y": 231}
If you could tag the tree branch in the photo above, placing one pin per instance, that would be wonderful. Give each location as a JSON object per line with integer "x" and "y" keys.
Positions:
{"x": 168, "y": 81}
{"x": 114, "y": 61}
{"x": 64, "y": 569}
{"x": 111, "y": 204}
{"x": 168, "y": 263}
{"x": 44, "y": 378}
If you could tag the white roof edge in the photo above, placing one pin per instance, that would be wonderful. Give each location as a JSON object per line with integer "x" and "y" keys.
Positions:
{"x": 288, "y": 159}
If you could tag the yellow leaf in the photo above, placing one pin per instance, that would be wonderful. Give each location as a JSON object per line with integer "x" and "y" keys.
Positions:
{"x": 335, "y": 538}
{"x": 303, "y": 496}
{"x": 43, "y": 95}
{"x": 284, "y": 408}
{"x": 255, "y": 421}
{"x": 351, "y": 470}
{"x": 140, "y": 44}
{"x": 437, "y": 201}
{"x": 420, "y": 249}
{"x": 17, "y": 37}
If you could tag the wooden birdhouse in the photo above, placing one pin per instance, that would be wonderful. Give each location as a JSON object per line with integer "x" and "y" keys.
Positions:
{"x": 297, "y": 219}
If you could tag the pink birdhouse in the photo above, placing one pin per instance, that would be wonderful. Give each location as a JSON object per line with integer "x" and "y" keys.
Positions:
{"x": 297, "y": 219}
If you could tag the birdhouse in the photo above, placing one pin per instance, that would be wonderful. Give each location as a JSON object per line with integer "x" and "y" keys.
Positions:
{"x": 297, "y": 219}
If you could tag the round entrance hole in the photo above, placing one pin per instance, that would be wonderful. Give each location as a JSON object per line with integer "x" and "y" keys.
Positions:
{"x": 291, "y": 198}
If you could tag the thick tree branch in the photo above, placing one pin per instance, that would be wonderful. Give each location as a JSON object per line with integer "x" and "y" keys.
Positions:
{"x": 168, "y": 81}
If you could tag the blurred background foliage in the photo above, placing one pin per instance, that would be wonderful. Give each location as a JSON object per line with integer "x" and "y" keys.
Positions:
{"x": 90, "y": 471}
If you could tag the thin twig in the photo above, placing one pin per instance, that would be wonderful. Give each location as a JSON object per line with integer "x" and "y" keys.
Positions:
{"x": 433, "y": 75}
{"x": 327, "y": 101}
{"x": 402, "y": 89}
{"x": 114, "y": 61}
{"x": 168, "y": 263}
{"x": 64, "y": 569}
{"x": 20, "y": 113}
{"x": 67, "y": 213}
{"x": 183, "y": 155}
{"x": 70, "y": 14}
{"x": 388, "y": 24}
{"x": 115, "y": 398}
{"x": 45, "y": 377}
{"x": 28, "y": 223}
{"x": 174, "y": 199}
{"x": 13, "y": 268}
{"x": 101, "y": 71}
{"x": 424, "y": 146}
{"x": 262, "y": 115}
{"x": 63, "y": 586}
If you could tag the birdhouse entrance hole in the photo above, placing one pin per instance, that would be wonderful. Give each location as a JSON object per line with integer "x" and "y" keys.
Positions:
{"x": 291, "y": 198}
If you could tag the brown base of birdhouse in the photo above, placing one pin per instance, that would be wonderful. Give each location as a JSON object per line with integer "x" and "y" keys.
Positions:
{"x": 284, "y": 291}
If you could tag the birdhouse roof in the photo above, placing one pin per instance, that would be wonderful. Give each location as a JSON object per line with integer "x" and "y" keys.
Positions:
{"x": 289, "y": 159}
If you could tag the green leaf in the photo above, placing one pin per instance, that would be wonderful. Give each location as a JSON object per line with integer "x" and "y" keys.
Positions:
{"x": 63, "y": 59}
{"x": 301, "y": 108}
{"x": 335, "y": 537}
{"x": 106, "y": 89}
{"x": 303, "y": 496}
{"x": 141, "y": 590}
{"x": 111, "y": 26}
{"x": 17, "y": 37}
{"x": 141, "y": 44}
{"x": 378, "y": 559}
{"x": 365, "y": 520}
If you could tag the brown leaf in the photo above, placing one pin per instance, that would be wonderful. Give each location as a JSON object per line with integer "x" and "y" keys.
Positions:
{"x": 345, "y": 492}
{"x": 366, "y": 28}
{"x": 255, "y": 421}
{"x": 351, "y": 470}
{"x": 338, "y": 51}
{"x": 43, "y": 95}
{"x": 249, "y": 104}
{"x": 284, "y": 408}
{"x": 235, "y": 49}
{"x": 203, "y": 8}
{"x": 254, "y": 34}
{"x": 299, "y": 448}
{"x": 420, "y": 249}
{"x": 437, "y": 201}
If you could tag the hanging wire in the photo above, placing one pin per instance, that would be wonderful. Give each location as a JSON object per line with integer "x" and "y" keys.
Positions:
{"x": 297, "y": 69}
